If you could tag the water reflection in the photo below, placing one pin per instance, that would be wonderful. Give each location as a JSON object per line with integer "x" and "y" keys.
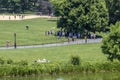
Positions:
{"x": 90, "y": 76}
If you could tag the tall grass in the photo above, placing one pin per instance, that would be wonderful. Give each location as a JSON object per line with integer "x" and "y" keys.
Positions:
{"x": 25, "y": 69}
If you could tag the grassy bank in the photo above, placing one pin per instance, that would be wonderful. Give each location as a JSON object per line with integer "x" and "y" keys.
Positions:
{"x": 87, "y": 52}
{"x": 20, "y": 62}
{"x": 23, "y": 69}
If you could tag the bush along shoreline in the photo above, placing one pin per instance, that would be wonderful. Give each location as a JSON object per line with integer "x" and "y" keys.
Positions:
{"x": 22, "y": 68}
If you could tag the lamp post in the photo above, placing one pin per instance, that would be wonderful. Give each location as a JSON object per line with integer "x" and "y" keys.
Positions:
{"x": 15, "y": 46}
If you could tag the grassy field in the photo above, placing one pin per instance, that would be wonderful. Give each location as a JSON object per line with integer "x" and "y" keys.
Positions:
{"x": 92, "y": 59}
{"x": 87, "y": 52}
{"x": 35, "y": 34}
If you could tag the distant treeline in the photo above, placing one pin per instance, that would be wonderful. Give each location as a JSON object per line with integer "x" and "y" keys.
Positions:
{"x": 22, "y": 6}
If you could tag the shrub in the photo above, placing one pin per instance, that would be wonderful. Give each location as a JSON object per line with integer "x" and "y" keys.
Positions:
{"x": 2, "y": 61}
{"x": 75, "y": 60}
{"x": 23, "y": 62}
{"x": 9, "y": 61}
{"x": 111, "y": 43}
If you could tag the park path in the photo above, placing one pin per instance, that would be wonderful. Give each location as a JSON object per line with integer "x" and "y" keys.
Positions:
{"x": 57, "y": 44}
{"x": 6, "y": 17}
{"x": 17, "y": 17}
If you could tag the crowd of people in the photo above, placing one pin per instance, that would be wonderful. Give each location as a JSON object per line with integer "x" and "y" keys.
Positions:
{"x": 71, "y": 35}
{"x": 75, "y": 35}
{"x": 49, "y": 32}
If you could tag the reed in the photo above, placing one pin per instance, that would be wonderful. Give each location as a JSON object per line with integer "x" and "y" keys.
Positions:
{"x": 18, "y": 69}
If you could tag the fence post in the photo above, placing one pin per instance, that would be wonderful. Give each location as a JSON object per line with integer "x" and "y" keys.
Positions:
{"x": 15, "y": 44}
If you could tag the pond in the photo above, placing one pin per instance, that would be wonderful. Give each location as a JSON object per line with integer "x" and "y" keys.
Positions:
{"x": 85, "y": 76}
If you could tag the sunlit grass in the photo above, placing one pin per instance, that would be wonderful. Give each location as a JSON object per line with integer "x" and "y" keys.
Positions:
{"x": 35, "y": 34}
{"x": 87, "y": 52}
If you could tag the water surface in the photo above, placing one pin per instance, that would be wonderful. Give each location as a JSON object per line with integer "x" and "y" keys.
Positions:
{"x": 85, "y": 76}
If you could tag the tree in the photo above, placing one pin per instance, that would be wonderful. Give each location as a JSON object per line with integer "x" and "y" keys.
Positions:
{"x": 114, "y": 10}
{"x": 82, "y": 15}
{"x": 21, "y": 6}
{"x": 4, "y": 4}
{"x": 57, "y": 6}
{"x": 98, "y": 16}
{"x": 24, "y": 5}
{"x": 111, "y": 43}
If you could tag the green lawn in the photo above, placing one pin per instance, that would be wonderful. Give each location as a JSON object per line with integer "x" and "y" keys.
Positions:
{"x": 87, "y": 52}
{"x": 35, "y": 34}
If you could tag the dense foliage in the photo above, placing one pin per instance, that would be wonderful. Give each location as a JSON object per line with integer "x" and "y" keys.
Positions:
{"x": 92, "y": 15}
{"x": 57, "y": 6}
{"x": 21, "y": 6}
{"x": 22, "y": 68}
{"x": 114, "y": 10}
{"x": 111, "y": 43}
{"x": 81, "y": 15}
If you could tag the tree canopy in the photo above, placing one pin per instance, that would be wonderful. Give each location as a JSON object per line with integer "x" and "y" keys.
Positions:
{"x": 114, "y": 10}
{"x": 21, "y": 6}
{"x": 57, "y": 6}
{"x": 82, "y": 15}
{"x": 111, "y": 43}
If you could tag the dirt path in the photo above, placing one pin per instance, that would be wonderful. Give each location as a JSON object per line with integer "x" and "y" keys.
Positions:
{"x": 21, "y": 17}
